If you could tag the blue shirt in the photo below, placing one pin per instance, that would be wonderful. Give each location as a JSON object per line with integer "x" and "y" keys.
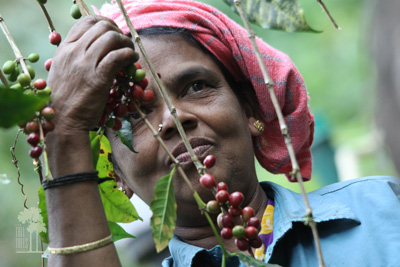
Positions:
{"x": 358, "y": 224}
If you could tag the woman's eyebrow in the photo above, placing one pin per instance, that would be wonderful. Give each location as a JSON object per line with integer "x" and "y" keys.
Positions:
{"x": 190, "y": 74}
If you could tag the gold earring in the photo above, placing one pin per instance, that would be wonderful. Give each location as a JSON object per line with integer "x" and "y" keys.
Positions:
{"x": 259, "y": 126}
{"x": 122, "y": 189}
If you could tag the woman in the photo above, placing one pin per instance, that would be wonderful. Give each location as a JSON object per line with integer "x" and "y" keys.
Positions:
{"x": 210, "y": 74}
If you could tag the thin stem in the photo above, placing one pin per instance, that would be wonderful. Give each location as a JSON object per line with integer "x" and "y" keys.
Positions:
{"x": 49, "y": 21}
{"x": 47, "y": 174}
{"x": 85, "y": 11}
{"x": 284, "y": 130}
{"x": 3, "y": 79}
{"x": 157, "y": 136}
{"x": 15, "y": 162}
{"x": 14, "y": 46}
{"x": 200, "y": 168}
{"x": 328, "y": 13}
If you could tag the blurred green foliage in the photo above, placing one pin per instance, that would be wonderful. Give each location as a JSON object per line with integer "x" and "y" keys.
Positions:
{"x": 336, "y": 66}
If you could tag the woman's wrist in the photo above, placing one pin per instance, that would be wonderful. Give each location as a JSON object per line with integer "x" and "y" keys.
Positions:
{"x": 69, "y": 152}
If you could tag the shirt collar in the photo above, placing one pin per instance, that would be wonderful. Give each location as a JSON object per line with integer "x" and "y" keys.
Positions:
{"x": 289, "y": 208}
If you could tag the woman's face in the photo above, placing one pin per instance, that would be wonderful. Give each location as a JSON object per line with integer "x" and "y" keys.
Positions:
{"x": 214, "y": 121}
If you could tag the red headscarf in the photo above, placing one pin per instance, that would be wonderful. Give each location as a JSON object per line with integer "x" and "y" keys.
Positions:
{"x": 229, "y": 43}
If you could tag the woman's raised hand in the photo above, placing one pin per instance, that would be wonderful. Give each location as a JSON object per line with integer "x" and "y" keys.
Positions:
{"x": 82, "y": 71}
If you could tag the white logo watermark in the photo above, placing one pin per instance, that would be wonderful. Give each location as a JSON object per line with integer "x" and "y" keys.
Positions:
{"x": 27, "y": 239}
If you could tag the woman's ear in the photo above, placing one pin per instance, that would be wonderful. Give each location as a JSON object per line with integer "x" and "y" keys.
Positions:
{"x": 121, "y": 185}
{"x": 251, "y": 108}
{"x": 254, "y": 122}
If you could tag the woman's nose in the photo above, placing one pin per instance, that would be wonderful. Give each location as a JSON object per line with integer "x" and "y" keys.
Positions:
{"x": 182, "y": 114}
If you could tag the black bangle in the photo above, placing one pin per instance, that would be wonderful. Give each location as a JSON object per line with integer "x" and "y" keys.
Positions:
{"x": 71, "y": 179}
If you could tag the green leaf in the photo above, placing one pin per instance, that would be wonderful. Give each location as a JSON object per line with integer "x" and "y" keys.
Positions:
{"x": 104, "y": 165}
{"x": 44, "y": 236}
{"x": 118, "y": 232}
{"x": 95, "y": 145}
{"x": 17, "y": 108}
{"x": 116, "y": 204}
{"x": 126, "y": 135}
{"x": 287, "y": 15}
{"x": 250, "y": 261}
{"x": 163, "y": 206}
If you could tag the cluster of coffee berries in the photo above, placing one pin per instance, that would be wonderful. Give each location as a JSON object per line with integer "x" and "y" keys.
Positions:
{"x": 233, "y": 220}
{"x": 129, "y": 86}
{"x": 23, "y": 83}
{"x": 32, "y": 128}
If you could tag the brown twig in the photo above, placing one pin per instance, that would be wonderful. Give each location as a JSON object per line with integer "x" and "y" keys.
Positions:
{"x": 3, "y": 79}
{"x": 85, "y": 11}
{"x": 49, "y": 21}
{"x": 13, "y": 45}
{"x": 200, "y": 168}
{"x": 156, "y": 135}
{"x": 295, "y": 166}
{"x": 15, "y": 162}
{"x": 328, "y": 13}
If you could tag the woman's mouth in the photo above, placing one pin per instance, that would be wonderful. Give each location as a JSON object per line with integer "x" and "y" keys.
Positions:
{"x": 200, "y": 147}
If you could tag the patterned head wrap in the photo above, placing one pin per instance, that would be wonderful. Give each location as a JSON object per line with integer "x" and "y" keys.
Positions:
{"x": 229, "y": 43}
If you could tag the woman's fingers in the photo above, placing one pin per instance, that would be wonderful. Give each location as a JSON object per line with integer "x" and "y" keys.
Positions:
{"x": 84, "y": 25}
{"x": 114, "y": 61}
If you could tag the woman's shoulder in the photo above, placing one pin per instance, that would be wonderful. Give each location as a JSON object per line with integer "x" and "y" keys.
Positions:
{"x": 371, "y": 185}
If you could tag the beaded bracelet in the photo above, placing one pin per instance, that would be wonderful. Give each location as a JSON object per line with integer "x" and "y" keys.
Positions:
{"x": 71, "y": 179}
{"x": 82, "y": 248}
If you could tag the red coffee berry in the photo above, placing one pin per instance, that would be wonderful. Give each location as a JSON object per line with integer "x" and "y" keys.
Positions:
{"x": 35, "y": 152}
{"x": 235, "y": 211}
{"x": 55, "y": 38}
{"x": 209, "y": 161}
{"x": 236, "y": 198}
{"x": 222, "y": 196}
{"x": 120, "y": 110}
{"x": 33, "y": 139}
{"x": 32, "y": 127}
{"x": 135, "y": 92}
{"x": 148, "y": 96}
{"x": 138, "y": 66}
{"x": 256, "y": 243}
{"x": 130, "y": 107}
{"x": 222, "y": 186}
{"x": 143, "y": 83}
{"x": 251, "y": 232}
{"x": 117, "y": 124}
{"x": 48, "y": 126}
{"x": 242, "y": 244}
{"x": 40, "y": 84}
{"x": 47, "y": 64}
{"x": 159, "y": 75}
{"x": 115, "y": 94}
{"x": 208, "y": 181}
{"x": 48, "y": 113}
{"x": 226, "y": 233}
{"x": 227, "y": 221}
{"x": 102, "y": 120}
{"x": 254, "y": 221}
{"x": 213, "y": 206}
{"x": 238, "y": 231}
{"x": 247, "y": 213}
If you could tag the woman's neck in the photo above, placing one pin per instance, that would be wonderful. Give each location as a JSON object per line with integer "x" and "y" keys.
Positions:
{"x": 203, "y": 236}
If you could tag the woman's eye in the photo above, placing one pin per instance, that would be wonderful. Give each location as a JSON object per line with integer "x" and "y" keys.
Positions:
{"x": 196, "y": 86}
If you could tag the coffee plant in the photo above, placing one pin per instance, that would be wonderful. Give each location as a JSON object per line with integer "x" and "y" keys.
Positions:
{"x": 27, "y": 99}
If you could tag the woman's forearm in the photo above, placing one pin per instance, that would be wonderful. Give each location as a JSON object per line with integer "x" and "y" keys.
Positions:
{"x": 75, "y": 211}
